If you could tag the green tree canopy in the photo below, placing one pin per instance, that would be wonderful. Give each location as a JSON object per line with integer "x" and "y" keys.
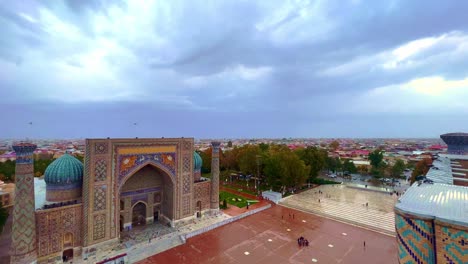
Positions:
{"x": 284, "y": 169}
{"x": 314, "y": 158}
{"x": 248, "y": 159}
{"x": 376, "y": 158}
{"x": 349, "y": 166}
{"x": 398, "y": 168}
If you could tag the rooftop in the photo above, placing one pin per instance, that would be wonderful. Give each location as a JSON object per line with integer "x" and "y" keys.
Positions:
{"x": 448, "y": 203}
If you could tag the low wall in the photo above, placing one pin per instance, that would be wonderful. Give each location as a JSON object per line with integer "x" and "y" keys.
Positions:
{"x": 224, "y": 222}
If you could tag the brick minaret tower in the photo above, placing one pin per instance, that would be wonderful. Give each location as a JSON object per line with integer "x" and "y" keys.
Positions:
{"x": 23, "y": 236}
{"x": 214, "y": 199}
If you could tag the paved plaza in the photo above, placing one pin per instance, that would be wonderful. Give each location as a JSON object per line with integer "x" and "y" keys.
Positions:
{"x": 348, "y": 204}
{"x": 271, "y": 236}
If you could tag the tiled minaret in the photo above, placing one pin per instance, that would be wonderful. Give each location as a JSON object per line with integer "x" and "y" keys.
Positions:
{"x": 23, "y": 236}
{"x": 214, "y": 199}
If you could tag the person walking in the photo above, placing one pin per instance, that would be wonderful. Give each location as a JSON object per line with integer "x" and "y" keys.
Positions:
{"x": 364, "y": 244}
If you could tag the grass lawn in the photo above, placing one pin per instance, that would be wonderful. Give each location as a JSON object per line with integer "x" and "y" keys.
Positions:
{"x": 239, "y": 189}
{"x": 234, "y": 199}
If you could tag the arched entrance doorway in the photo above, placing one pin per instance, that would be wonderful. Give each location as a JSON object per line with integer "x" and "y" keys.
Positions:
{"x": 67, "y": 255}
{"x": 139, "y": 214}
{"x": 146, "y": 196}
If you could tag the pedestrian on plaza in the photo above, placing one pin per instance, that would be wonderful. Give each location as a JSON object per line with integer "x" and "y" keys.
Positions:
{"x": 319, "y": 200}
{"x": 367, "y": 204}
{"x": 289, "y": 215}
{"x": 307, "y": 243}
{"x": 364, "y": 244}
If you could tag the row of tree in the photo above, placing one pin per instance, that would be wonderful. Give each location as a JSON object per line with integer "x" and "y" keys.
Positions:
{"x": 380, "y": 168}
{"x": 279, "y": 167}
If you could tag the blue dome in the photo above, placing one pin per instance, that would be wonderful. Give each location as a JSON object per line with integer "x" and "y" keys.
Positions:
{"x": 197, "y": 161}
{"x": 64, "y": 171}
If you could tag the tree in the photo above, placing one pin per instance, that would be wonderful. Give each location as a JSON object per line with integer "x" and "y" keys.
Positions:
{"x": 421, "y": 168}
{"x": 334, "y": 145}
{"x": 3, "y": 217}
{"x": 284, "y": 169}
{"x": 349, "y": 166}
{"x": 248, "y": 159}
{"x": 229, "y": 144}
{"x": 376, "y": 158}
{"x": 398, "y": 168}
{"x": 314, "y": 158}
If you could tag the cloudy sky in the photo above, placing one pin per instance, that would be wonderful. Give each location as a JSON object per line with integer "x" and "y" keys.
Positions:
{"x": 223, "y": 69}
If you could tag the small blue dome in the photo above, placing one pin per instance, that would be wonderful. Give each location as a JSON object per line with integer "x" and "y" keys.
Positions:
{"x": 64, "y": 170}
{"x": 197, "y": 161}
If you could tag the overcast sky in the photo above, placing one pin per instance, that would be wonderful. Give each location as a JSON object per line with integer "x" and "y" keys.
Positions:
{"x": 224, "y": 69}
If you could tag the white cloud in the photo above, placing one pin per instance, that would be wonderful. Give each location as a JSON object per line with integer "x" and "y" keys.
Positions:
{"x": 428, "y": 95}
{"x": 409, "y": 55}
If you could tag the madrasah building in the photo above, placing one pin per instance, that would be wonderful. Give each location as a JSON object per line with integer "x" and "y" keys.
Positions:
{"x": 123, "y": 183}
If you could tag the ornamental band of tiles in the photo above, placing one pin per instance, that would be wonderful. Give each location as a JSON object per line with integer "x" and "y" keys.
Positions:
{"x": 215, "y": 176}
{"x": 23, "y": 244}
{"x": 119, "y": 175}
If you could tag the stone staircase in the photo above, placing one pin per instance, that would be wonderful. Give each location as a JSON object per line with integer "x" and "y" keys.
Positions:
{"x": 348, "y": 205}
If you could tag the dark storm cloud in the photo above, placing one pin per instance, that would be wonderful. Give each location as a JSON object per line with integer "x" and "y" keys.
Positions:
{"x": 256, "y": 64}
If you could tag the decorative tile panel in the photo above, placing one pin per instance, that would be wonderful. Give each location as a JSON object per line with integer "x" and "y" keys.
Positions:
{"x": 100, "y": 197}
{"x": 99, "y": 230}
{"x": 100, "y": 170}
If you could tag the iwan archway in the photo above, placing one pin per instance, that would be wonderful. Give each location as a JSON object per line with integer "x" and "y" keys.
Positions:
{"x": 146, "y": 193}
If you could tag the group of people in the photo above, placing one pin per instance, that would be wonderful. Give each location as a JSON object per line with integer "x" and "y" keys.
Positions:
{"x": 302, "y": 242}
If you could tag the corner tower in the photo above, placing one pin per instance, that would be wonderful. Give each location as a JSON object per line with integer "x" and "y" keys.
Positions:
{"x": 23, "y": 236}
{"x": 214, "y": 199}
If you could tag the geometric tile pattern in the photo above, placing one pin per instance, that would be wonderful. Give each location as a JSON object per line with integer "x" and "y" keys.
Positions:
{"x": 99, "y": 230}
{"x": 186, "y": 169}
{"x": 201, "y": 194}
{"x": 100, "y": 170}
{"x": 214, "y": 196}
{"x": 127, "y": 164}
{"x": 52, "y": 225}
{"x": 416, "y": 240}
{"x": 23, "y": 236}
{"x": 186, "y": 205}
{"x": 100, "y": 198}
{"x": 24, "y": 227}
{"x": 453, "y": 243}
{"x": 100, "y": 148}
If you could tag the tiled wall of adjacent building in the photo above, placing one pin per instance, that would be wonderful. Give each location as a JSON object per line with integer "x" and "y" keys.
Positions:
{"x": 425, "y": 240}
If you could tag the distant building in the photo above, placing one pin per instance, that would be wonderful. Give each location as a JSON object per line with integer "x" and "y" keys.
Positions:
{"x": 457, "y": 143}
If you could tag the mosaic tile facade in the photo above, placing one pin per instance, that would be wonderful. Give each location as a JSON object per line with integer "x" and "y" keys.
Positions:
{"x": 201, "y": 193}
{"x": 430, "y": 241}
{"x": 99, "y": 231}
{"x": 52, "y": 225}
{"x": 416, "y": 240}
{"x": 23, "y": 242}
{"x": 100, "y": 170}
{"x": 100, "y": 194}
{"x": 451, "y": 243}
{"x": 214, "y": 194}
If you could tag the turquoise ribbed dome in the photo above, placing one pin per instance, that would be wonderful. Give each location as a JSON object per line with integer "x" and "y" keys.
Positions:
{"x": 64, "y": 170}
{"x": 197, "y": 161}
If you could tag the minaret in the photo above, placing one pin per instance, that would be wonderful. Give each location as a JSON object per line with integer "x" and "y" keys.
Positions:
{"x": 23, "y": 235}
{"x": 214, "y": 199}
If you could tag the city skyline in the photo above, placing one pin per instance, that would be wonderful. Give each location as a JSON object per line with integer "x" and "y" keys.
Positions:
{"x": 300, "y": 69}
